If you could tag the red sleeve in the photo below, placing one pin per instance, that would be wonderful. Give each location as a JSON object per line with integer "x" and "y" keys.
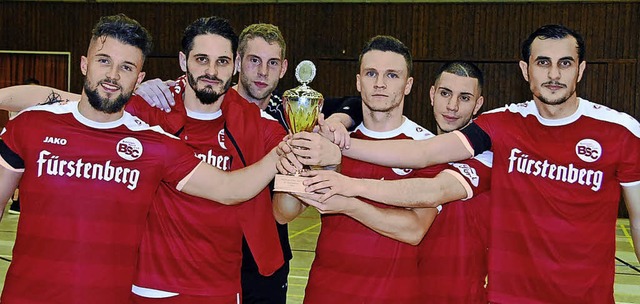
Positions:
{"x": 474, "y": 174}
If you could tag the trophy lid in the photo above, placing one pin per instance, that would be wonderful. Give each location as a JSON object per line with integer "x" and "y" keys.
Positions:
{"x": 305, "y": 72}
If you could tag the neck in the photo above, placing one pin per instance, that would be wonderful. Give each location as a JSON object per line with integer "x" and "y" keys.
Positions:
{"x": 262, "y": 103}
{"x": 558, "y": 111}
{"x": 382, "y": 121}
{"x": 85, "y": 108}
{"x": 192, "y": 103}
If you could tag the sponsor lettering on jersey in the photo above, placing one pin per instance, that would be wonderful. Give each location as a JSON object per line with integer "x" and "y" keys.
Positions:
{"x": 55, "y": 140}
{"x": 53, "y": 165}
{"x": 222, "y": 162}
{"x": 571, "y": 174}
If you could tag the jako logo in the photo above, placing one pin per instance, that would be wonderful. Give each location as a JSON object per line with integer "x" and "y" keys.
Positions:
{"x": 55, "y": 140}
{"x": 588, "y": 150}
{"x": 129, "y": 148}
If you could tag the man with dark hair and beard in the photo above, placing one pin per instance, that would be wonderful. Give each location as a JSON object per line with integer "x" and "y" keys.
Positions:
{"x": 87, "y": 171}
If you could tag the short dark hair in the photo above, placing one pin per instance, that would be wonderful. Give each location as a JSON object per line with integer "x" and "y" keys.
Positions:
{"x": 269, "y": 32}
{"x": 125, "y": 30}
{"x": 388, "y": 44}
{"x": 553, "y": 31}
{"x": 209, "y": 25}
{"x": 464, "y": 69}
{"x": 31, "y": 80}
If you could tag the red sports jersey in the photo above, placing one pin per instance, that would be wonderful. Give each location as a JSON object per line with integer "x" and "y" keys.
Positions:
{"x": 453, "y": 253}
{"x": 355, "y": 264}
{"x": 85, "y": 195}
{"x": 194, "y": 246}
{"x": 555, "y": 192}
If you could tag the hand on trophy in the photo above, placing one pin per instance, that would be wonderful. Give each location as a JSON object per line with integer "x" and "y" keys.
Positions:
{"x": 314, "y": 150}
{"x": 334, "y": 130}
{"x": 329, "y": 183}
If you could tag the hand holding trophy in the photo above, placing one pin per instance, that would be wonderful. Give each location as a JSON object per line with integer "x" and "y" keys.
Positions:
{"x": 302, "y": 106}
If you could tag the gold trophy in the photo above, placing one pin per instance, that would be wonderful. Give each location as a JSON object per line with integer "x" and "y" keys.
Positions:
{"x": 302, "y": 106}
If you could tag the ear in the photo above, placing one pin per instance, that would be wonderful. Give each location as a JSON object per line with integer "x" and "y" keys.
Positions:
{"x": 524, "y": 68}
{"x": 581, "y": 67}
{"x": 238, "y": 65}
{"x": 479, "y": 104}
{"x": 358, "y": 83}
{"x": 408, "y": 86}
{"x": 183, "y": 61}
{"x": 285, "y": 65}
{"x": 140, "y": 77}
{"x": 432, "y": 94}
{"x": 83, "y": 65}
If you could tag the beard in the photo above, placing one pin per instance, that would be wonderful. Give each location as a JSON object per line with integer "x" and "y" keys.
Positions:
{"x": 103, "y": 104}
{"x": 207, "y": 95}
{"x": 554, "y": 102}
{"x": 246, "y": 83}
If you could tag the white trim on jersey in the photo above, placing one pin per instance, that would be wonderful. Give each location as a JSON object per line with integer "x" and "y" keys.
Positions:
{"x": 152, "y": 293}
{"x": 585, "y": 108}
{"x": 203, "y": 115}
{"x": 408, "y": 128}
{"x": 132, "y": 123}
{"x": 266, "y": 115}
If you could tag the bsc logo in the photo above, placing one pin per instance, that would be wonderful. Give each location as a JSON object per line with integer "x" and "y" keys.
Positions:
{"x": 129, "y": 148}
{"x": 588, "y": 150}
{"x": 221, "y": 139}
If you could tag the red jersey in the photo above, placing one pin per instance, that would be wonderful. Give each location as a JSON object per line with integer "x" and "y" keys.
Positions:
{"x": 355, "y": 264}
{"x": 555, "y": 193}
{"x": 85, "y": 194}
{"x": 192, "y": 245}
{"x": 453, "y": 253}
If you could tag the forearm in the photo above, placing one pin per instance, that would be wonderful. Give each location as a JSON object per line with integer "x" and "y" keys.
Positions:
{"x": 18, "y": 98}
{"x": 413, "y": 192}
{"x": 8, "y": 183}
{"x": 632, "y": 199}
{"x": 342, "y": 118}
{"x": 409, "y": 153}
{"x": 286, "y": 207}
{"x": 232, "y": 188}
{"x": 404, "y": 225}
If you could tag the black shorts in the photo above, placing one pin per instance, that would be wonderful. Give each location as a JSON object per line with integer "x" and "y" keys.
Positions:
{"x": 258, "y": 289}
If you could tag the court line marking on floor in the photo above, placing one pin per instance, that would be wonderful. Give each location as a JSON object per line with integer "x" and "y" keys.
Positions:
{"x": 304, "y": 230}
{"x": 626, "y": 233}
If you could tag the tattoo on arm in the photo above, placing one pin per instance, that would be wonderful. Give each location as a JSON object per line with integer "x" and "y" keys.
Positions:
{"x": 53, "y": 98}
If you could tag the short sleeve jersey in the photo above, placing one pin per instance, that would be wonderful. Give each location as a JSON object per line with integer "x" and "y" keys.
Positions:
{"x": 85, "y": 195}
{"x": 555, "y": 193}
{"x": 355, "y": 264}
{"x": 193, "y": 245}
{"x": 453, "y": 253}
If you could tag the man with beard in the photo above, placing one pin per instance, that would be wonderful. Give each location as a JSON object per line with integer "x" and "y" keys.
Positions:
{"x": 558, "y": 172}
{"x": 100, "y": 165}
{"x": 261, "y": 61}
{"x": 192, "y": 250}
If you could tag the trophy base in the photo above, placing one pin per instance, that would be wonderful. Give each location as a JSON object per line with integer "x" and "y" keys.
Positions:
{"x": 289, "y": 183}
